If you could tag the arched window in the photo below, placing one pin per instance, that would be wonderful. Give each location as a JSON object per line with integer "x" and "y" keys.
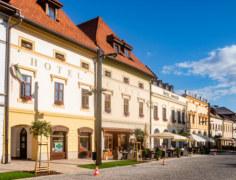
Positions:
{"x": 166, "y": 130}
{"x": 156, "y": 131}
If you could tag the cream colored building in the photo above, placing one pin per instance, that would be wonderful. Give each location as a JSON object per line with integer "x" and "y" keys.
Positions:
{"x": 197, "y": 115}
{"x": 222, "y": 126}
{"x": 126, "y": 89}
{"x": 216, "y": 125}
{"x": 168, "y": 111}
{"x": 53, "y": 52}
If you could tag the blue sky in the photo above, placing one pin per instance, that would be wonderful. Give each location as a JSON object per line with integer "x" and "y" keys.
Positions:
{"x": 188, "y": 43}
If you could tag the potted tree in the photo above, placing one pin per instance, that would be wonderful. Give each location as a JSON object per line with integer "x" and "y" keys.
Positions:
{"x": 40, "y": 129}
{"x": 158, "y": 153}
{"x": 177, "y": 150}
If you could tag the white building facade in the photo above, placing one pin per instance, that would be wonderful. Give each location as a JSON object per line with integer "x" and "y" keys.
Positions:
{"x": 168, "y": 113}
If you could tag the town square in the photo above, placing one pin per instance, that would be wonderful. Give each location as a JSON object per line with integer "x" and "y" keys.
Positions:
{"x": 84, "y": 95}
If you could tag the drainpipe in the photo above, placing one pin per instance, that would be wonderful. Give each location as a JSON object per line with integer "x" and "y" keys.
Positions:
{"x": 7, "y": 83}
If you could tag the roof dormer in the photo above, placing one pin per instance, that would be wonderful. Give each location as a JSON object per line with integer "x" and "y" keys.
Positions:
{"x": 120, "y": 46}
{"x": 51, "y": 8}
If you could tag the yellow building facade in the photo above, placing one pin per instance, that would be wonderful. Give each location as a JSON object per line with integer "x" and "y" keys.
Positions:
{"x": 198, "y": 115}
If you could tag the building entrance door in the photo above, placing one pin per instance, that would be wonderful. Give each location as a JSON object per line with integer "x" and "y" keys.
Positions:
{"x": 23, "y": 144}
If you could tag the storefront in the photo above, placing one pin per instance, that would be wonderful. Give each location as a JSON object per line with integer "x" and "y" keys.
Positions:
{"x": 116, "y": 141}
{"x": 59, "y": 142}
{"x": 85, "y": 142}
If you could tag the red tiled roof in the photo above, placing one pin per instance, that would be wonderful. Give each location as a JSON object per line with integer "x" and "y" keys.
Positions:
{"x": 98, "y": 31}
{"x": 32, "y": 11}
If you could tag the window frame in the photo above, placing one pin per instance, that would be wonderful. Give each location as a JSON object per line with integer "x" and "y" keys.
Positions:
{"x": 141, "y": 109}
{"x": 107, "y": 103}
{"x": 50, "y": 7}
{"x": 141, "y": 85}
{"x": 155, "y": 112}
{"x": 126, "y": 107}
{"x": 59, "y": 90}
{"x": 164, "y": 114}
{"x": 173, "y": 118}
{"x": 23, "y": 88}
{"x": 109, "y": 72}
{"x": 84, "y": 67}
{"x": 60, "y": 53}
{"x": 126, "y": 80}
{"x": 85, "y": 99}
{"x": 21, "y": 39}
{"x": 179, "y": 117}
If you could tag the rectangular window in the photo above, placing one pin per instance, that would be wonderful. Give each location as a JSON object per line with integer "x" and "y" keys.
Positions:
{"x": 59, "y": 93}
{"x": 127, "y": 53}
{"x": 26, "y": 44}
{"x": 107, "y": 103}
{"x": 140, "y": 85}
{"x": 164, "y": 114}
{"x": 85, "y": 65}
{"x": 51, "y": 12}
{"x": 60, "y": 56}
{"x": 200, "y": 120}
{"x": 25, "y": 87}
{"x": 155, "y": 113}
{"x": 126, "y": 80}
{"x": 108, "y": 141}
{"x": 173, "y": 116}
{"x": 179, "y": 117}
{"x": 85, "y": 99}
{"x": 193, "y": 119}
{"x": 117, "y": 48}
{"x": 183, "y": 117}
{"x": 108, "y": 74}
{"x": 126, "y": 107}
{"x": 141, "y": 114}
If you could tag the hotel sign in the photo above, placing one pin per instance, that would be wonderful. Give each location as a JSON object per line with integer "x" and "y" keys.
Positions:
{"x": 58, "y": 68}
{"x": 170, "y": 95}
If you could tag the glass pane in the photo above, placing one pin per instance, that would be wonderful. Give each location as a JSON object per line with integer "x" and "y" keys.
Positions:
{"x": 84, "y": 144}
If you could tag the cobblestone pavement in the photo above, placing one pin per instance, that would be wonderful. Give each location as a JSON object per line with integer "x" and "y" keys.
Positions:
{"x": 220, "y": 167}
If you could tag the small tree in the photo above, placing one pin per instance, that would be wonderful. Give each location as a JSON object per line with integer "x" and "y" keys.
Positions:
{"x": 39, "y": 129}
{"x": 139, "y": 134}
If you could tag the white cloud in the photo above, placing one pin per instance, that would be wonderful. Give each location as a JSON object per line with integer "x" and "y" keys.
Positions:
{"x": 148, "y": 53}
{"x": 220, "y": 66}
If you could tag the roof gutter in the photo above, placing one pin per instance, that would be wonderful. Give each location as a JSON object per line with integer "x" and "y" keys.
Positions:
{"x": 59, "y": 35}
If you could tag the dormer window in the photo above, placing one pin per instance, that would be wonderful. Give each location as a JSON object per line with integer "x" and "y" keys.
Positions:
{"x": 51, "y": 8}
{"x": 51, "y": 12}
{"x": 127, "y": 53}
{"x": 117, "y": 48}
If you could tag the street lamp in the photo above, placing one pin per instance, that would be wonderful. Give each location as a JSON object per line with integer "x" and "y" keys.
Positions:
{"x": 98, "y": 102}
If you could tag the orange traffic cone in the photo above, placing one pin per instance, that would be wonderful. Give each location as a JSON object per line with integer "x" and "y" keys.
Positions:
{"x": 96, "y": 172}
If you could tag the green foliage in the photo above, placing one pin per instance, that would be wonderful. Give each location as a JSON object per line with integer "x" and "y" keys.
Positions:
{"x": 184, "y": 133}
{"x": 15, "y": 175}
{"x": 110, "y": 164}
{"x": 177, "y": 150}
{"x": 139, "y": 134}
{"x": 158, "y": 153}
{"x": 41, "y": 128}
